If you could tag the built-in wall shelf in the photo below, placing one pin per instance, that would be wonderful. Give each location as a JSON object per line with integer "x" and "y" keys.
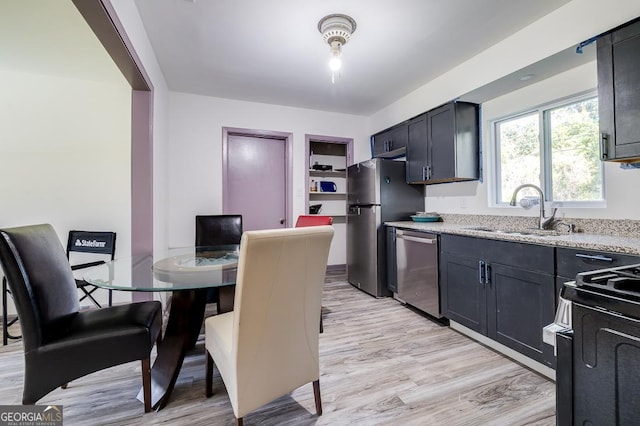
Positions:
{"x": 328, "y": 173}
{"x": 327, "y": 195}
{"x": 333, "y": 154}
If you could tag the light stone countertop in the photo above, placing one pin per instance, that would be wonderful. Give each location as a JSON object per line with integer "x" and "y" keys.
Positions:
{"x": 601, "y": 242}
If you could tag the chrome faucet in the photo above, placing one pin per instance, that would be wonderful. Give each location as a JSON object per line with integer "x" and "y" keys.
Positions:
{"x": 545, "y": 222}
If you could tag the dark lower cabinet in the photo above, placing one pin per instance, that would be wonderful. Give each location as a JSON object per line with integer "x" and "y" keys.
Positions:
{"x": 462, "y": 297}
{"x": 504, "y": 290}
{"x": 519, "y": 305}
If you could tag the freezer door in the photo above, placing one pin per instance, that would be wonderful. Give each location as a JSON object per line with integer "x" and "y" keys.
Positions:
{"x": 363, "y": 185}
{"x": 362, "y": 247}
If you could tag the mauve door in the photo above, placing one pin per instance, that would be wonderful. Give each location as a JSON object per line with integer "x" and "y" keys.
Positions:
{"x": 255, "y": 181}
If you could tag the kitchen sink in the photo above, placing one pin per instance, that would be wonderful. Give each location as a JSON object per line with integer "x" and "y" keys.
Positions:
{"x": 528, "y": 231}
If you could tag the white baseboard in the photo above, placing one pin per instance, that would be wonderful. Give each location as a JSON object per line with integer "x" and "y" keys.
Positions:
{"x": 516, "y": 356}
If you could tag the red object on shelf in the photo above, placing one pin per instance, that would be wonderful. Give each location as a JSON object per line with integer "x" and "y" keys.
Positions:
{"x": 313, "y": 220}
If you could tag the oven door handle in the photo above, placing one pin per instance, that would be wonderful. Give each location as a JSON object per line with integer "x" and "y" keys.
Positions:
{"x": 595, "y": 257}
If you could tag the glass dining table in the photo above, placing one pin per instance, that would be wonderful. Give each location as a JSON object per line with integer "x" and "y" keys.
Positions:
{"x": 188, "y": 273}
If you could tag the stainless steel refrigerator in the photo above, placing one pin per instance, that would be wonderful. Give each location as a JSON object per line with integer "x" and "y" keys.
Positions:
{"x": 376, "y": 193}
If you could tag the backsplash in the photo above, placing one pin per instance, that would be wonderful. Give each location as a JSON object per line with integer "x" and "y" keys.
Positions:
{"x": 623, "y": 227}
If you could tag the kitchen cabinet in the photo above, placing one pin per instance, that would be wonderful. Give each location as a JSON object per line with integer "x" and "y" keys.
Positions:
{"x": 504, "y": 290}
{"x": 391, "y": 142}
{"x": 570, "y": 262}
{"x": 417, "y": 153}
{"x": 443, "y": 144}
{"x": 619, "y": 93}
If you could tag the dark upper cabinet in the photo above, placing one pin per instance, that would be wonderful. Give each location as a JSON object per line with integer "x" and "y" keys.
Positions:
{"x": 391, "y": 142}
{"x": 619, "y": 93}
{"x": 417, "y": 152}
{"x": 443, "y": 144}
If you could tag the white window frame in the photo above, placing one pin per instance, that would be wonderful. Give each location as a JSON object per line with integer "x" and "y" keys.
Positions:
{"x": 545, "y": 143}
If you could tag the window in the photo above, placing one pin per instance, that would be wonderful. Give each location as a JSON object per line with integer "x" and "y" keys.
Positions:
{"x": 555, "y": 147}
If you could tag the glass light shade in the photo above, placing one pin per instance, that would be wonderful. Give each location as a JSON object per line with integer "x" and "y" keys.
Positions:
{"x": 335, "y": 64}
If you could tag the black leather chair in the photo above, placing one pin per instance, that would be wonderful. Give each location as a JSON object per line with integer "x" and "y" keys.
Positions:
{"x": 6, "y": 322}
{"x": 61, "y": 343}
{"x": 97, "y": 243}
{"x": 213, "y": 230}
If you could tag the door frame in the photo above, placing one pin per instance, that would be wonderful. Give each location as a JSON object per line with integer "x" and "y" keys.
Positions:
{"x": 288, "y": 153}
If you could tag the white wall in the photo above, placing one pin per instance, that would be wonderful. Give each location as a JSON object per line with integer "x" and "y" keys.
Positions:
{"x": 473, "y": 197}
{"x": 65, "y": 155}
{"x": 195, "y": 165}
{"x": 129, "y": 22}
{"x": 565, "y": 27}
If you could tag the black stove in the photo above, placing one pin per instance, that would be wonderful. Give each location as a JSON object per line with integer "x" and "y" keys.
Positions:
{"x": 614, "y": 289}
{"x": 598, "y": 357}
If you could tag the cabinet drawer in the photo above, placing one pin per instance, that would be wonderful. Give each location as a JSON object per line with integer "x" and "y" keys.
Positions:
{"x": 531, "y": 257}
{"x": 569, "y": 262}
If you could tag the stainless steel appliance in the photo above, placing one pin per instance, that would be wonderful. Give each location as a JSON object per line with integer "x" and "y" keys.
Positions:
{"x": 376, "y": 193}
{"x": 417, "y": 270}
{"x": 598, "y": 349}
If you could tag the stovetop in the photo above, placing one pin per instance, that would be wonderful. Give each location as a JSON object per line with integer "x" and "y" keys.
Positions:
{"x": 620, "y": 281}
{"x": 614, "y": 289}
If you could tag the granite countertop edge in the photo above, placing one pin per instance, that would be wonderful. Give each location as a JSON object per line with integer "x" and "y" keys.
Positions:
{"x": 608, "y": 243}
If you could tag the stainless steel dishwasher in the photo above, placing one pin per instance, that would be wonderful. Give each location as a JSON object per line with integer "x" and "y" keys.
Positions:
{"x": 417, "y": 270}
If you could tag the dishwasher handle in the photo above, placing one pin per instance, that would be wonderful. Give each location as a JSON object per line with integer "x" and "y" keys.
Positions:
{"x": 401, "y": 236}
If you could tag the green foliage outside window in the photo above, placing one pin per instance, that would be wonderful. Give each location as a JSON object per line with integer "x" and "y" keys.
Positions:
{"x": 555, "y": 148}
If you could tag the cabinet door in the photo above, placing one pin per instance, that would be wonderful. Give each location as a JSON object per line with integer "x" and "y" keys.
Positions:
{"x": 379, "y": 143}
{"x": 399, "y": 138}
{"x": 462, "y": 294}
{"x": 519, "y": 304}
{"x": 390, "y": 143}
{"x": 619, "y": 92}
{"x": 417, "y": 155}
{"x": 441, "y": 142}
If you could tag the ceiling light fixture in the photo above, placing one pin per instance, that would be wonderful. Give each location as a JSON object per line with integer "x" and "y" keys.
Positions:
{"x": 336, "y": 30}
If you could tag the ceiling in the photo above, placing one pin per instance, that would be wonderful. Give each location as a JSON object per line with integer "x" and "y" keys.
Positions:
{"x": 51, "y": 37}
{"x": 271, "y": 51}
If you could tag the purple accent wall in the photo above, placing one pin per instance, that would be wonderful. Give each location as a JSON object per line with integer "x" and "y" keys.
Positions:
{"x": 141, "y": 180}
{"x": 103, "y": 20}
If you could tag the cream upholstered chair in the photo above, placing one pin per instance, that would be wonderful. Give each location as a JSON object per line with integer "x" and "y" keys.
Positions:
{"x": 268, "y": 345}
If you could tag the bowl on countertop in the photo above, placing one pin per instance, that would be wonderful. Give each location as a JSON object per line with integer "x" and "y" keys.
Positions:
{"x": 426, "y": 217}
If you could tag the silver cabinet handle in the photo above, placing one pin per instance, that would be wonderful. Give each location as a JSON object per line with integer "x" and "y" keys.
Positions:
{"x": 595, "y": 257}
{"x": 487, "y": 273}
{"x": 481, "y": 271}
{"x": 416, "y": 239}
{"x": 604, "y": 146}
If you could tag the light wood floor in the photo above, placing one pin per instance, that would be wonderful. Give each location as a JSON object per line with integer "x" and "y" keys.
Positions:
{"x": 380, "y": 363}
